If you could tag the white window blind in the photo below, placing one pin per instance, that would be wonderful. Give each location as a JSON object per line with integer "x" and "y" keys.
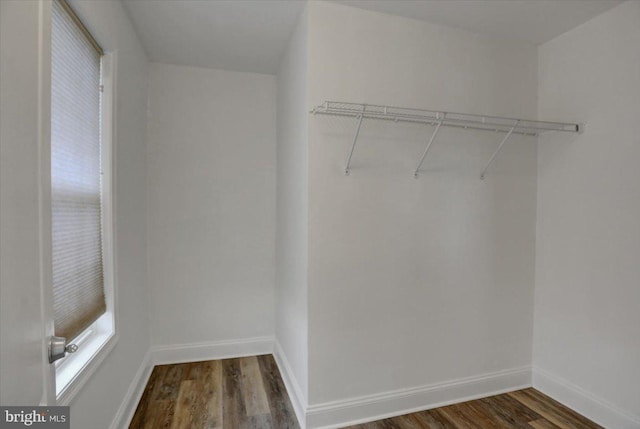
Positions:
{"x": 78, "y": 278}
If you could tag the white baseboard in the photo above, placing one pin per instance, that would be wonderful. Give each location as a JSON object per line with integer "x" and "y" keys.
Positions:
{"x": 134, "y": 393}
{"x": 293, "y": 388}
{"x": 394, "y": 403}
{"x": 583, "y": 402}
{"x": 194, "y": 352}
{"x": 333, "y": 414}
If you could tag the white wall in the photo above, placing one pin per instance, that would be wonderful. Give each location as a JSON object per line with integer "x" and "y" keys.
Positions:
{"x": 100, "y": 398}
{"x": 587, "y": 306}
{"x": 211, "y": 196}
{"x": 292, "y": 210}
{"x": 414, "y": 282}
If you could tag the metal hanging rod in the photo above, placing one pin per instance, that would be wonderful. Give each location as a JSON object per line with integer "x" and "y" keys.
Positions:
{"x": 458, "y": 120}
{"x": 435, "y": 118}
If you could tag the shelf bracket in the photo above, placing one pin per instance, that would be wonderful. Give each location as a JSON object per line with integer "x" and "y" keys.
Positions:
{"x": 424, "y": 154}
{"x": 347, "y": 168}
{"x": 493, "y": 157}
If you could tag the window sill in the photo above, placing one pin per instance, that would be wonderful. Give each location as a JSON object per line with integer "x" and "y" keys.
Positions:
{"x": 76, "y": 369}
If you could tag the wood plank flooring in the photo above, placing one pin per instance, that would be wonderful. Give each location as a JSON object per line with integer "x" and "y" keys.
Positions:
{"x": 248, "y": 393}
{"x": 242, "y": 393}
{"x": 523, "y": 409}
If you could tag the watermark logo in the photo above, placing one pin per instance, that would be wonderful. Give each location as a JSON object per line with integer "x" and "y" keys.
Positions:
{"x": 34, "y": 417}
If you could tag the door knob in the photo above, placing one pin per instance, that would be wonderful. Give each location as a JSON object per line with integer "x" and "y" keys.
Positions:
{"x": 58, "y": 348}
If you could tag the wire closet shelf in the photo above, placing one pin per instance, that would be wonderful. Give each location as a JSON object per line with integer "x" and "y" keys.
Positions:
{"x": 438, "y": 119}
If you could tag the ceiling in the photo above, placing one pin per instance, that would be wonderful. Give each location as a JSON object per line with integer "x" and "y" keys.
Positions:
{"x": 251, "y": 35}
{"x": 239, "y": 35}
{"x": 535, "y": 21}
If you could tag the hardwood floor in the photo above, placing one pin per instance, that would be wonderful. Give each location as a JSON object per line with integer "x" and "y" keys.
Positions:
{"x": 523, "y": 409}
{"x": 229, "y": 393}
{"x": 247, "y": 393}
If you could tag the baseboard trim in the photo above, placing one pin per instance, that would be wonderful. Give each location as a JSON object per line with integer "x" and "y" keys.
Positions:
{"x": 597, "y": 409}
{"x": 290, "y": 382}
{"x": 194, "y": 352}
{"x": 367, "y": 408}
{"x": 394, "y": 403}
{"x": 134, "y": 393}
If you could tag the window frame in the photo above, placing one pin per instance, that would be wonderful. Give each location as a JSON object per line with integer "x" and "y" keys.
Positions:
{"x": 98, "y": 340}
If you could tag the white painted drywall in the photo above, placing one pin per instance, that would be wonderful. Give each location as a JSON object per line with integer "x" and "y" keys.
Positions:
{"x": 292, "y": 205}
{"x": 587, "y": 306}
{"x": 411, "y": 281}
{"x": 99, "y": 400}
{"x": 211, "y": 196}
{"x": 21, "y": 329}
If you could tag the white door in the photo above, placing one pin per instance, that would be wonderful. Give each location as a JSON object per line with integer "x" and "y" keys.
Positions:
{"x": 26, "y": 377}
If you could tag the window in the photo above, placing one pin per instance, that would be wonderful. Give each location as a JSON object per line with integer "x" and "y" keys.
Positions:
{"x": 80, "y": 196}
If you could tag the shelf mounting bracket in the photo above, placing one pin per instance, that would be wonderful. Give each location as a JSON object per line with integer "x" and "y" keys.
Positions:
{"x": 424, "y": 154}
{"x": 347, "y": 168}
{"x": 493, "y": 157}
